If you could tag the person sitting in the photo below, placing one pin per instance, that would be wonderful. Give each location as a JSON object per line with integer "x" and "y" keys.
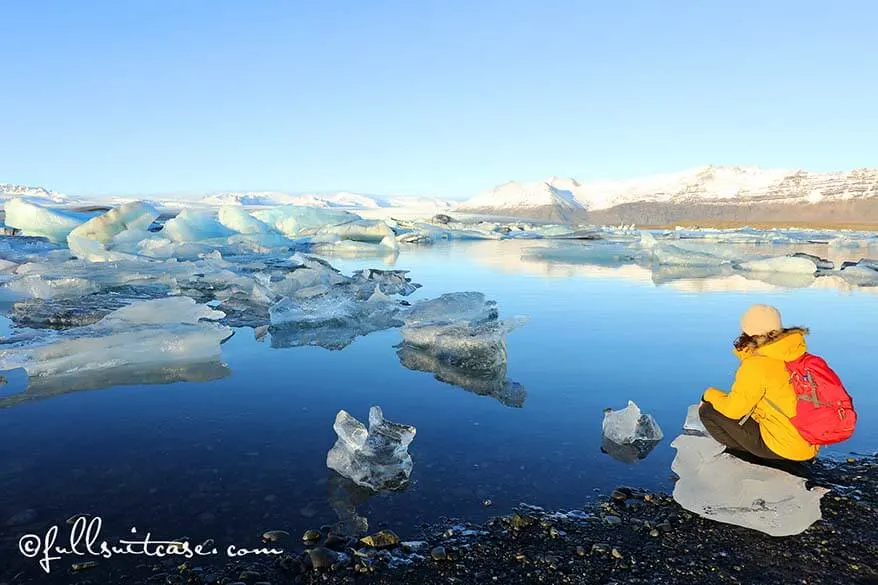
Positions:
{"x": 754, "y": 417}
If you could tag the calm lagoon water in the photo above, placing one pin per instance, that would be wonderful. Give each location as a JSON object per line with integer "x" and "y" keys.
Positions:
{"x": 244, "y": 453}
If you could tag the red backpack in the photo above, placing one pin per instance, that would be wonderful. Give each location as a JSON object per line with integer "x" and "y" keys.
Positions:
{"x": 824, "y": 410}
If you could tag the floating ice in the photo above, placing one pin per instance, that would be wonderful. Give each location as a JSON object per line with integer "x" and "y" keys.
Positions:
{"x": 36, "y": 220}
{"x": 860, "y": 275}
{"x": 460, "y": 338}
{"x": 296, "y": 220}
{"x": 154, "y": 333}
{"x": 362, "y": 230}
{"x": 237, "y": 219}
{"x": 329, "y": 317}
{"x": 128, "y": 216}
{"x": 451, "y": 308}
{"x": 378, "y": 458}
{"x": 721, "y": 487}
{"x": 785, "y": 264}
{"x": 821, "y": 263}
{"x": 627, "y": 434}
{"x": 192, "y": 225}
{"x": 602, "y": 254}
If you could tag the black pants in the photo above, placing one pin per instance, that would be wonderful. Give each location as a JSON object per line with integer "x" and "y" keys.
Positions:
{"x": 737, "y": 437}
{"x": 745, "y": 441}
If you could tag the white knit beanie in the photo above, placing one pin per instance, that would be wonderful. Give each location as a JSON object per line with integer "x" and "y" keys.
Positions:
{"x": 761, "y": 320}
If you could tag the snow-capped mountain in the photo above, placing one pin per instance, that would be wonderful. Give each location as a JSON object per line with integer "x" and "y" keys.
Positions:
{"x": 552, "y": 200}
{"x": 8, "y": 191}
{"x": 342, "y": 199}
{"x": 717, "y": 193}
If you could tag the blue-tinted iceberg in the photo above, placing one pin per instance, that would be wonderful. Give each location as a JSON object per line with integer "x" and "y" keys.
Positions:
{"x": 36, "y": 220}
{"x": 146, "y": 334}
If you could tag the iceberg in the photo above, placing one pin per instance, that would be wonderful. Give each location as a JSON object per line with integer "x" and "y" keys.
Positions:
{"x": 192, "y": 225}
{"x": 785, "y": 264}
{"x": 461, "y": 339}
{"x": 452, "y": 307}
{"x": 860, "y": 275}
{"x": 722, "y": 487}
{"x": 146, "y": 333}
{"x": 601, "y": 254}
{"x": 376, "y": 458}
{"x": 362, "y": 230}
{"x": 298, "y": 220}
{"x": 128, "y": 216}
{"x": 36, "y": 220}
{"x": 238, "y": 220}
{"x": 628, "y": 434}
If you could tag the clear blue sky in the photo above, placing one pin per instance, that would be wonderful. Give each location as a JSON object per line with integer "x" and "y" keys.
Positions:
{"x": 440, "y": 98}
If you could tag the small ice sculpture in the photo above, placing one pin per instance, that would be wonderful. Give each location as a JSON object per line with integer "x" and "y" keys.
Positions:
{"x": 629, "y": 435}
{"x": 377, "y": 458}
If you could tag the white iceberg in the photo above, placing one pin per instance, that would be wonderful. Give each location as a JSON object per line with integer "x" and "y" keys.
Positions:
{"x": 298, "y": 220}
{"x": 376, "y": 458}
{"x": 237, "y": 219}
{"x": 722, "y": 487}
{"x": 36, "y": 220}
{"x": 783, "y": 264}
{"x": 146, "y": 333}
{"x": 128, "y": 216}
{"x": 192, "y": 225}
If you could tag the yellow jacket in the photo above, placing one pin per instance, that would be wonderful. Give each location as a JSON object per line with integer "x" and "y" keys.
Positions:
{"x": 763, "y": 377}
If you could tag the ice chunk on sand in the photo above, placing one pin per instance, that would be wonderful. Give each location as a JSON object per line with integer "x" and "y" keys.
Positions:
{"x": 299, "y": 220}
{"x": 36, "y": 220}
{"x": 628, "y": 434}
{"x": 785, "y": 264}
{"x": 135, "y": 336}
{"x": 192, "y": 225}
{"x": 237, "y": 219}
{"x": 377, "y": 458}
{"x": 721, "y": 487}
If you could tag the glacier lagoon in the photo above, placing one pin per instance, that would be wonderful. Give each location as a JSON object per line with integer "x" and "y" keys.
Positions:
{"x": 232, "y": 448}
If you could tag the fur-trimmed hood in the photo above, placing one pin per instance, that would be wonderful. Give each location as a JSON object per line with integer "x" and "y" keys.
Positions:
{"x": 786, "y": 344}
